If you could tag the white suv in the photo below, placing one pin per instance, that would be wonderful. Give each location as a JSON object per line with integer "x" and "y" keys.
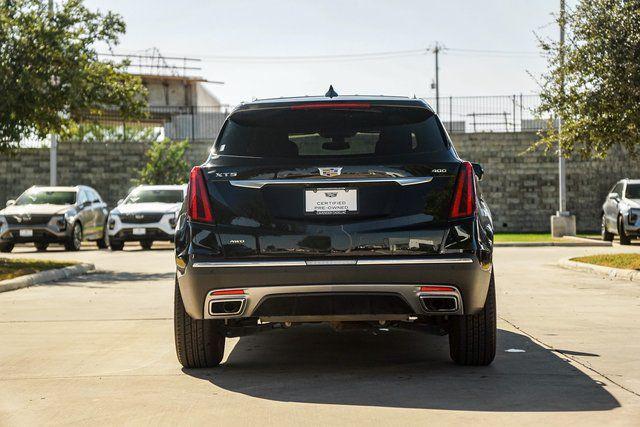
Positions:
{"x": 147, "y": 214}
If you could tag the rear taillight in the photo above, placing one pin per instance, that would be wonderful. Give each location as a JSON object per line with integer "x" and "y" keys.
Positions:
{"x": 464, "y": 198}
{"x": 199, "y": 204}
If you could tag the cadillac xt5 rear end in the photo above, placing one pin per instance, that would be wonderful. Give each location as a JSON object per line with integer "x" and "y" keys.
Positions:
{"x": 355, "y": 211}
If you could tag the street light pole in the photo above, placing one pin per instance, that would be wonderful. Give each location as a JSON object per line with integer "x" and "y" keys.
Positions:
{"x": 436, "y": 51}
{"x": 562, "y": 173}
{"x": 562, "y": 223}
{"x": 53, "y": 150}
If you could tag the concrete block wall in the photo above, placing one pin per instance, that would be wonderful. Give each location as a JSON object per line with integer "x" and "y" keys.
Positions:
{"x": 107, "y": 167}
{"x": 520, "y": 187}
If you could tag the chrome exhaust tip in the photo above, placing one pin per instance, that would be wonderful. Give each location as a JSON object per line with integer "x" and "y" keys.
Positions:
{"x": 226, "y": 306}
{"x": 439, "y": 303}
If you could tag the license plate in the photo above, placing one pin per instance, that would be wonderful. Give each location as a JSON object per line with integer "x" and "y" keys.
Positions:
{"x": 331, "y": 201}
{"x": 139, "y": 231}
{"x": 26, "y": 233}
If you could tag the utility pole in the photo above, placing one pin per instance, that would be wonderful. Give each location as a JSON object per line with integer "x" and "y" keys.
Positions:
{"x": 562, "y": 223}
{"x": 436, "y": 51}
{"x": 53, "y": 150}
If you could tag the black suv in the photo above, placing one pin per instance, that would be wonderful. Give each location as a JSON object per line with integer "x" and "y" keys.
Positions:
{"x": 334, "y": 209}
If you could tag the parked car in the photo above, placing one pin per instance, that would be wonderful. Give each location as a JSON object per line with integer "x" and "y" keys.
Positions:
{"x": 355, "y": 211}
{"x": 45, "y": 215}
{"x": 147, "y": 214}
{"x": 621, "y": 211}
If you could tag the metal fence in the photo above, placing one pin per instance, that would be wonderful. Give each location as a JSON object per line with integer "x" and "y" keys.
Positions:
{"x": 508, "y": 113}
{"x": 460, "y": 114}
{"x": 177, "y": 123}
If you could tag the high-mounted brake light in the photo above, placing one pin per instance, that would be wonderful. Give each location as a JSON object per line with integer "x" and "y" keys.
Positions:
{"x": 321, "y": 105}
{"x": 464, "y": 198}
{"x": 199, "y": 204}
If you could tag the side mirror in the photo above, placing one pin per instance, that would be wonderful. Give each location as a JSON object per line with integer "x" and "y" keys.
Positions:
{"x": 478, "y": 169}
{"x": 119, "y": 202}
{"x": 11, "y": 202}
{"x": 614, "y": 196}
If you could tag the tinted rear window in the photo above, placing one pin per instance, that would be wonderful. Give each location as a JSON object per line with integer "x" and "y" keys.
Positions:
{"x": 374, "y": 131}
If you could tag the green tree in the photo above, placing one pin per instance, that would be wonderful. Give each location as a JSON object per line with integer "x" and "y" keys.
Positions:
{"x": 593, "y": 82}
{"x": 166, "y": 163}
{"x": 50, "y": 72}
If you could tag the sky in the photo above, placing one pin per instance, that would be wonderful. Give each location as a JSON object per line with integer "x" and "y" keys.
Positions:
{"x": 219, "y": 32}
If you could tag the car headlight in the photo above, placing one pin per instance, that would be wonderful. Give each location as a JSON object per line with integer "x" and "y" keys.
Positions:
{"x": 173, "y": 219}
{"x": 633, "y": 215}
{"x": 59, "y": 221}
{"x": 111, "y": 223}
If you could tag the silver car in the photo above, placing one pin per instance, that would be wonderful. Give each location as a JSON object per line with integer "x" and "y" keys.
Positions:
{"x": 45, "y": 215}
{"x": 147, "y": 214}
{"x": 621, "y": 211}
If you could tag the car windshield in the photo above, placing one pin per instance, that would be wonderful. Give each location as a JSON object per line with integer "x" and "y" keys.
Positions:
{"x": 323, "y": 132}
{"x": 39, "y": 196}
{"x": 154, "y": 196}
{"x": 632, "y": 191}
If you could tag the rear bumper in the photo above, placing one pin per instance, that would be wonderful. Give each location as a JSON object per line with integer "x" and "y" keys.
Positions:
{"x": 396, "y": 276}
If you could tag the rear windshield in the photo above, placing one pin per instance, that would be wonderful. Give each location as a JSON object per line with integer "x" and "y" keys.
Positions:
{"x": 155, "y": 196}
{"x": 38, "y": 196}
{"x": 324, "y": 132}
{"x": 632, "y": 191}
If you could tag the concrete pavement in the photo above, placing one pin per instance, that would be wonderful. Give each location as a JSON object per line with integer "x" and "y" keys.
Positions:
{"x": 99, "y": 350}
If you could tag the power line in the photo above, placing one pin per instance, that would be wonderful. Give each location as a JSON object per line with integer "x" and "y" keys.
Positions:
{"x": 494, "y": 52}
{"x": 348, "y": 57}
{"x": 312, "y": 58}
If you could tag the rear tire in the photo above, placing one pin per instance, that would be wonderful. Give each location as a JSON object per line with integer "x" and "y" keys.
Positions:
{"x": 472, "y": 338}
{"x": 116, "y": 245}
{"x": 74, "y": 242}
{"x": 624, "y": 239}
{"x": 6, "y": 247}
{"x": 606, "y": 236}
{"x": 146, "y": 244}
{"x": 199, "y": 343}
{"x": 41, "y": 247}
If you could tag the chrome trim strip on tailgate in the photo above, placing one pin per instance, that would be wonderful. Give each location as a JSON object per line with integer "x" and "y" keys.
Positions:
{"x": 259, "y": 183}
{"x": 302, "y": 263}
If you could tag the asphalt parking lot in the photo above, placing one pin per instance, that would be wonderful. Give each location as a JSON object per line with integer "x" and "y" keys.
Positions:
{"x": 99, "y": 350}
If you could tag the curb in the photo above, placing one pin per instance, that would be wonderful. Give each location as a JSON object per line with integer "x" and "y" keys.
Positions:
{"x": 608, "y": 272}
{"x": 573, "y": 244}
{"x": 45, "y": 276}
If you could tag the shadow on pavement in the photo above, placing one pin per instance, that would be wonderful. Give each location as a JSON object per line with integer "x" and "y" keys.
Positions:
{"x": 402, "y": 369}
{"x": 102, "y": 279}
